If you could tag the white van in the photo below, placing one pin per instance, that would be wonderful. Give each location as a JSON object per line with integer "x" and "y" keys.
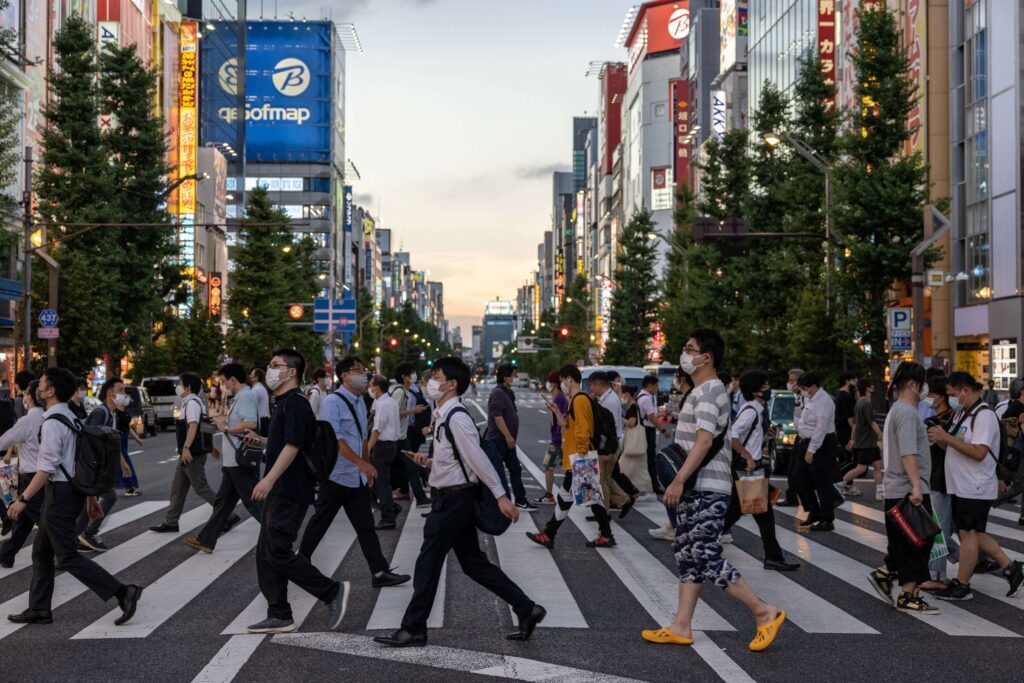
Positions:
{"x": 163, "y": 392}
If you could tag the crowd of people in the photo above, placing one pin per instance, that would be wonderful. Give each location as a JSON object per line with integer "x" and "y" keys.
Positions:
{"x": 940, "y": 453}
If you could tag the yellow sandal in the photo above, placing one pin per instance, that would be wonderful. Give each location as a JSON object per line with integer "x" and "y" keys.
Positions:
{"x": 765, "y": 635}
{"x": 665, "y": 637}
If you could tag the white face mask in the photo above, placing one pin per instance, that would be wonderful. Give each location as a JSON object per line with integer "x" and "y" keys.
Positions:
{"x": 358, "y": 382}
{"x": 687, "y": 363}
{"x": 122, "y": 400}
{"x": 25, "y": 403}
{"x": 434, "y": 390}
{"x": 566, "y": 388}
{"x": 954, "y": 403}
{"x": 274, "y": 378}
{"x": 414, "y": 378}
{"x": 179, "y": 391}
{"x": 924, "y": 391}
{"x": 930, "y": 402}
{"x": 81, "y": 394}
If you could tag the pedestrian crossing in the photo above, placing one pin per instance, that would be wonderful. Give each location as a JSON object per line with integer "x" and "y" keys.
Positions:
{"x": 641, "y": 570}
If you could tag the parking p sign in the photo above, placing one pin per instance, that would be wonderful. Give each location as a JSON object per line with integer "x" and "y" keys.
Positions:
{"x": 900, "y": 329}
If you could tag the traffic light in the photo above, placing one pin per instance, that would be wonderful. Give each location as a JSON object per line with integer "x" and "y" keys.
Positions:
{"x": 430, "y": 363}
{"x": 393, "y": 342}
{"x": 564, "y": 332}
{"x": 515, "y": 362}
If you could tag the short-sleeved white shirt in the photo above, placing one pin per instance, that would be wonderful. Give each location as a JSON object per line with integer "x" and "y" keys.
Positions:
{"x": 965, "y": 476}
{"x": 192, "y": 409}
{"x": 748, "y": 422}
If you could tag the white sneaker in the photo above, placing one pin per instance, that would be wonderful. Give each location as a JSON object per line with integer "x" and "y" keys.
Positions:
{"x": 663, "y": 533}
{"x": 880, "y": 492}
{"x": 726, "y": 539}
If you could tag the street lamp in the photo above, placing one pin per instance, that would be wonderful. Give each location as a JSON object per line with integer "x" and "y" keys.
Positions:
{"x": 776, "y": 139}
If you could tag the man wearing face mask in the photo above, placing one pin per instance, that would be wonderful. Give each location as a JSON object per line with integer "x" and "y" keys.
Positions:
{"x": 236, "y": 483}
{"x": 286, "y": 491}
{"x": 410, "y": 405}
{"x": 647, "y": 403}
{"x": 349, "y": 483}
{"x": 191, "y": 469}
{"x": 502, "y": 430}
{"x": 558, "y": 404}
{"x": 25, "y": 435}
{"x": 257, "y": 380}
{"x": 317, "y": 390}
{"x": 818, "y": 468}
{"x": 75, "y": 404}
{"x": 796, "y": 454}
{"x": 383, "y": 446}
{"x": 864, "y": 441}
{"x": 105, "y": 415}
{"x": 452, "y": 521}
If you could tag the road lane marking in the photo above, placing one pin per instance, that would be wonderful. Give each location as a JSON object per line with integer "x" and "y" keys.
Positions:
{"x": 807, "y": 610}
{"x": 951, "y": 620}
{"x": 450, "y": 658}
{"x": 118, "y": 519}
{"x": 175, "y": 589}
{"x": 230, "y": 659}
{"x": 327, "y": 558}
{"x": 391, "y": 603}
{"x": 115, "y": 560}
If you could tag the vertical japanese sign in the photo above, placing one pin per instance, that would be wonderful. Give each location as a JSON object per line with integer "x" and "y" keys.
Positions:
{"x": 827, "y": 52}
{"x": 915, "y": 33}
{"x": 188, "y": 131}
{"x": 679, "y": 96}
{"x": 215, "y": 290}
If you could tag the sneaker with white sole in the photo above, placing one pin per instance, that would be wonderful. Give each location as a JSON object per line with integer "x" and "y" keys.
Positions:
{"x": 662, "y": 533}
{"x": 913, "y": 602}
{"x": 271, "y": 625}
{"x": 726, "y": 539}
{"x": 527, "y": 505}
{"x": 338, "y": 605}
{"x": 880, "y": 492}
{"x": 93, "y": 543}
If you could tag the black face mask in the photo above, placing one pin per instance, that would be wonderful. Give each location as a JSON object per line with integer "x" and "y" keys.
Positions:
{"x": 766, "y": 395}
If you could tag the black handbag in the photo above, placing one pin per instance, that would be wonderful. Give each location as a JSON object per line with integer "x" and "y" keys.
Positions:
{"x": 488, "y": 516}
{"x": 914, "y": 521}
{"x": 671, "y": 458}
{"x": 249, "y": 458}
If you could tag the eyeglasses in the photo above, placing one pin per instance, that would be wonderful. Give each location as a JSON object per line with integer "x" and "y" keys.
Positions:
{"x": 692, "y": 350}
{"x": 277, "y": 366}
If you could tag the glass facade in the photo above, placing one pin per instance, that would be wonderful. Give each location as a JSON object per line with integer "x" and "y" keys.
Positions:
{"x": 977, "y": 236}
{"x": 781, "y": 33}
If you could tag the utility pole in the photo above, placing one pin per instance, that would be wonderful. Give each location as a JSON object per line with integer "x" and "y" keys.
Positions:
{"x": 932, "y": 217}
{"x": 27, "y": 219}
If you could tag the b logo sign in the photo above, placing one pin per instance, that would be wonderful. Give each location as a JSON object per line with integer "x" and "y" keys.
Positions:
{"x": 291, "y": 77}
{"x": 227, "y": 74}
{"x": 679, "y": 24}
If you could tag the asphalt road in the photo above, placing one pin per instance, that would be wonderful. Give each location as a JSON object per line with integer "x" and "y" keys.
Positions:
{"x": 598, "y": 600}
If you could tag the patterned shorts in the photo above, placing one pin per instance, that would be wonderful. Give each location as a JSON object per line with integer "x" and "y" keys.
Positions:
{"x": 698, "y": 546}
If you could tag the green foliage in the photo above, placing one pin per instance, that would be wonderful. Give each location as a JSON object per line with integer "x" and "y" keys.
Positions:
{"x": 635, "y": 296}
{"x": 880, "y": 193}
{"x": 419, "y": 342}
{"x": 368, "y": 338}
{"x": 574, "y": 315}
{"x": 726, "y": 177}
{"x": 196, "y": 344}
{"x": 272, "y": 269}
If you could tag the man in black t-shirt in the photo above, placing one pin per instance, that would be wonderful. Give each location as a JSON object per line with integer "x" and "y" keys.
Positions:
{"x": 846, "y": 410}
{"x": 287, "y": 492}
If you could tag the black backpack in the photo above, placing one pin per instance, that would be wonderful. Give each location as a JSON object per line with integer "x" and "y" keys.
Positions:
{"x": 8, "y": 416}
{"x": 97, "y": 457}
{"x": 487, "y": 513}
{"x": 322, "y": 456}
{"x": 423, "y": 419}
{"x": 604, "y": 438}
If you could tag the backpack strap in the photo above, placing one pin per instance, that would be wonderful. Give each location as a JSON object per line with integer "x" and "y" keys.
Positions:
{"x": 451, "y": 437}
{"x": 757, "y": 421}
{"x": 973, "y": 414}
{"x": 352, "y": 409}
{"x": 74, "y": 426}
{"x": 593, "y": 411}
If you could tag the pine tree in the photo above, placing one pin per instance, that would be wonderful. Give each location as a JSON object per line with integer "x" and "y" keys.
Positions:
{"x": 574, "y": 316}
{"x": 634, "y": 297}
{"x": 272, "y": 270}
{"x": 145, "y": 276}
{"x": 880, "y": 193}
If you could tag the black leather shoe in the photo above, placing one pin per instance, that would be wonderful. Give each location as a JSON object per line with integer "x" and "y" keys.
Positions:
{"x": 389, "y": 578}
{"x": 128, "y": 603}
{"x": 385, "y": 527}
{"x": 165, "y": 528}
{"x": 31, "y": 617}
{"x": 7, "y": 564}
{"x": 232, "y": 522}
{"x": 823, "y": 526}
{"x": 810, "y": 521}
{"x": 627, "y": 506}
{"x": 527, "y": 625}
{"x": 402, "y": 638}
{"x": 781, "y": 565}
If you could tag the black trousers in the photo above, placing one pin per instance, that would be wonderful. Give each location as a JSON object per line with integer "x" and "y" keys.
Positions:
{"x": 236, "y": 484}
{"x": 356, "y": 501}
{"x": 817, "y": 481}
{"x": 277, "y": 563}
{"x": 406, "y": 474}
{"x": 652, "y": 454}
{"x": 107, "y": 501}
{"x": 796, "y": 455}
{"x": 515, "y": 470}
{"x": 23, "y": 527}
{"x": 624, "y": 482}
{"x": 384, "y": 454}
{"x": 765, "y": 524}
{"x": 908, "y": 563}
{"x": 56, "y": 547}
{"x": 451, "y": 525}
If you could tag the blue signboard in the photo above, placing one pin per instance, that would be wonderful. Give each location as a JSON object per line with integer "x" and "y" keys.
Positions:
{"x": 339, "y": 315}
{"x": 48, "y": 317}
{"x": 289, "y": 98}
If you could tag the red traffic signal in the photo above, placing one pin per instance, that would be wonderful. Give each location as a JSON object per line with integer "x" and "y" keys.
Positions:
{"x": 393, "y": 342}
{"x": 564, "y": 332}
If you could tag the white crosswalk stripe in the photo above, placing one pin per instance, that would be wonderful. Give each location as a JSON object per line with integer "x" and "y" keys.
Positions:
{"x": 117, "y": 519}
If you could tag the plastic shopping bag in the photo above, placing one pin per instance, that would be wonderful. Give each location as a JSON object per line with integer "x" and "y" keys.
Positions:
{"x": 586, "y": 479}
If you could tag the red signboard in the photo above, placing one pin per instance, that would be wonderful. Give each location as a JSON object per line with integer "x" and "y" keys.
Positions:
{"x": 215, "y": 292}
{"x": 660, "y": 26}
{"x": 827, "y": 52}
{"x": 679, "y": 96}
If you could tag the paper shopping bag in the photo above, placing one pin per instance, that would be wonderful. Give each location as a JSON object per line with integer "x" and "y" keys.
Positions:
{"x": 586, "y": 479}
{"x": 753, "y": 493}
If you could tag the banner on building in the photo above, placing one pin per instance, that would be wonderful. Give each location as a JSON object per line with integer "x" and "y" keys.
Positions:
{"x": 827, "y": 51}
{"x": 679, "y": 97}
{"x": 188, "y": 142}
{"x": 733, "y": 32}
{"x": 662, "y": 189}
{"x": 719, "y": 113}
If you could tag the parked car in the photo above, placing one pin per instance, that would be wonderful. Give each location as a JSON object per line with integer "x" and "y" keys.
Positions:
{"x": 141, "y": 410}
{"x": 162, "y": 392}
{"x": 780, "y": 414}
{"x": 666, "y": 372}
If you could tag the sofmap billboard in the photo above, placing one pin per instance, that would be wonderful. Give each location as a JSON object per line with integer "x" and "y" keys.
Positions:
{"x": 288, "y": 91}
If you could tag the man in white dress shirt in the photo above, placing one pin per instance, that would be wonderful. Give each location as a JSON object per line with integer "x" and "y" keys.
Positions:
{"x": 383, "y": 446}
{"x": 819, "y": 471}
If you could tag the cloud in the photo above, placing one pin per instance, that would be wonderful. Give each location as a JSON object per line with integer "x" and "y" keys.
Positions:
{"x": 542, "y": 171}
{"x": 363, "y": 199}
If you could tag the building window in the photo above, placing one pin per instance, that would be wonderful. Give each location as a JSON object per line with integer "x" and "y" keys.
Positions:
{"x": 659, "y": 110}
{"x": 978, "y": 257}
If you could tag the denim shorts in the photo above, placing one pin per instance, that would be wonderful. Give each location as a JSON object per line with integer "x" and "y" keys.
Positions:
{"x": 552, "y": 459}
